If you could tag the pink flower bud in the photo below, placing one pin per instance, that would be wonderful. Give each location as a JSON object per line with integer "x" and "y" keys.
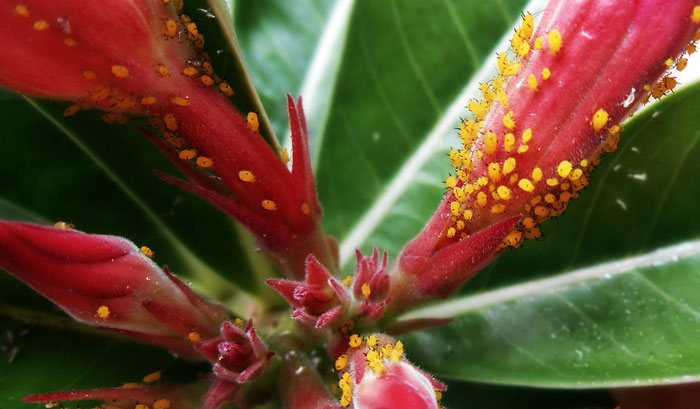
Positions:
{"x": 534, "y": 138}
{"x": 374, "y": 373}
{"x": 238, "y": 355}
{"x": 108, "y": 282}
{"x": 370, "y": 286}
{"x": 320, "y": 300}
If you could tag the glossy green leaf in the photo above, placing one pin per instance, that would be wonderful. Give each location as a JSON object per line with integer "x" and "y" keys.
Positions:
{"x": 631, "y": 316}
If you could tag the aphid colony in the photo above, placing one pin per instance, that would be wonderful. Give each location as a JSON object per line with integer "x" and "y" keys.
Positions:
{"x": 494, "y": 178}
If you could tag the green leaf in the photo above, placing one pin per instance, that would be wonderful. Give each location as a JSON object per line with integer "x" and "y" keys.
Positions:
{"x": 38, "y": 359}
{"x": 631, "y": 317}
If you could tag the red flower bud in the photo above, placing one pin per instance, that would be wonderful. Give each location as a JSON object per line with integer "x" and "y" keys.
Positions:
{"x": 238, "y": 355}
{"x": 108, "y": 282}
{"x": 320, "y": 300}
{"x": 152, "y": 64}
{"x": 539, "y": 130}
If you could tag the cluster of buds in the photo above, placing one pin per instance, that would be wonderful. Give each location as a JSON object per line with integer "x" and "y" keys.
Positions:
{"x": 323, "y": 301}
{"x": 533, "y": 139}
{"x": 374, "y": 373}
{"x": 238, "y": 356}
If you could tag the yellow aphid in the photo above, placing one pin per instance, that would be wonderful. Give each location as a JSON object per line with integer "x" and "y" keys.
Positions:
{"x": 503, "y": 193}
{"x": 70, "y": 42}
{"x": 146, "y": 251}
{"x": 450, "y": 182}
{"x": 552, "y": 182}
{"x": 528, "y": 222}
{"x": 498, "y": 208}
{"x": 170, "y": 28}
{"x": 163, "y": 71}
{"x": 546, "y": 73}
{"x": 152, "y": 377}
{"x": 149, "y": 100}
{"x": 669, "y": 62}
{"x": 527, "y": 27}
{"x": 239, "y": 322}
{"x": 347, "y": 280}
{"x": 187, "y": 154}
{"x": 508, "y": 120}
{"x": 494, "y": 171}
{"x": 523, "y": 148}
{"x": 508, "y": 165}
{"x": 194, "y": 337}
{"x": 366, "y": 291}
{"x": 478, "y": 108}
{"x": 208, "y": 69}
{"x": 100, "y": 93}
{"x": 192, "y": 30}
{"x": 695, "y": 16}
{"x": 183, "y": 102}
{"x": 681, "y": 64}
{"x": 554, "y": 40}
{"x": 206, "y": 80}
{"x": 22, "y": 10}
{"x": 523, "y": 49}
{"x": 526, "y": 185}
{"x": 189, "y": 71}
{"x": 161, "y": 404}
{"x": 532, "y": 82}
{"x": 268, "y": 204}
{"x": 538, "y": 43}
{"x": 584, "y": 163}
{"x": 669, "y": 83}
{"x": 459, "y": 194}
{"x": 490, "y": 142}
{"x": 455, "y": 208}
{"x": 103, "y": 312}
{"x": 72, "y": 110}
{"x": 576, "y": 174}
{"x": 460, "y": 225}
{"x": 468, "y": 215}
{"x": 120, "y": 71}
{"x": 63, "y": 225}
{"x": 341, "y": 362}
{"x": 537, "y": 174}
{"x": 253, "y": 122}
{"x": 564, "y": 168}
{"x": 170, "y": 121}
{"x": 355, "y": 341}
{"x": 226, "y": 89}
{"x": 372, "y": 341}
{"x": 549, "y": 198}
{"x": 41, "y": 25}
{"x": 451, "y": 232}
{"x": 508, "y": 141}
{"x": 513, "y": 239}
{"x": 204, "y": 162}
{"x": 284, "y": 155}
{"x": 487, "y": 92}
{"x": 481, "y": 199}
{"x": 305, "y": 208}
{"x": 600, "y": 119}
{"x": 527, "y": 135}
